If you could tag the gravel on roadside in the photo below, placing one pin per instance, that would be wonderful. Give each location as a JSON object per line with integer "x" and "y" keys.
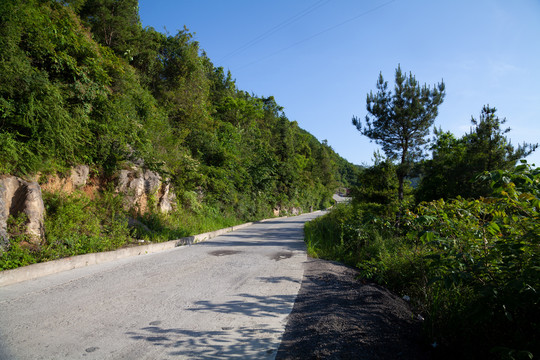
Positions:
{"x": 337, "y": 316}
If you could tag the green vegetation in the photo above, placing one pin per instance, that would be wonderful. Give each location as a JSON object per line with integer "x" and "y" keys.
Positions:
{"x": 456, "y": 162}
{"x": 82, "y": 82}
{"x": 470, "y": 267}
{"x": 469, "y": 259}
{"x": 79, "y": 225}
{"x": 464, "y": 246}
{"x": 400, "y": 121}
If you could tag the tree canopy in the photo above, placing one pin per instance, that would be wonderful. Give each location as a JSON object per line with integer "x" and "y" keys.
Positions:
{"x": 400, "y": 121}
{"x": 456, "y": 163}
{"x": 82, "y": 82}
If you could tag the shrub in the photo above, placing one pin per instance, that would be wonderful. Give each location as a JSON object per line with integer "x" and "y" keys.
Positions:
{"x": 469, "y": 266}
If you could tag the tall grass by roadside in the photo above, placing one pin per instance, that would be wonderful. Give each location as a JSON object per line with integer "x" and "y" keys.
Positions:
{"x": 76, "y": 224}
{"x": 470, "y": 267}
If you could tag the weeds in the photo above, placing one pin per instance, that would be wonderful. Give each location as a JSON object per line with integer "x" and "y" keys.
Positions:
{"x": 17, "y": 254}
{"x": 76, "y": 224}
{"x": 470, "y": 267}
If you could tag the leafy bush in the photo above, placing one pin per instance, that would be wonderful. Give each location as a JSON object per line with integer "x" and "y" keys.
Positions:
{"x": 488, "y": 247}
{"x": 471, "y": 267}
{"x": 334, "y": 236}
{"x": 17, "y": 253}
{"x": 76, "y": 224}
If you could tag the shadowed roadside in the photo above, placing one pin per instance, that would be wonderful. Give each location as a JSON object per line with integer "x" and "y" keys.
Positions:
{"x": 336, "y": 316}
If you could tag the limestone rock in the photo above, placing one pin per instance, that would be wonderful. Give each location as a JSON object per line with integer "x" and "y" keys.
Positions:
{"x": 138, "y": 186}
{"x": 79, "y": 175}
{"x": 78, "y": 178}
{"x": 123, "y": 180}
{"x": 8, "y": 187}
{"x": 5, "y": 203}
{"x": 165, "y": 205}
{"x": 34, "y": 209}
{"x": 152, "y": 182}
{"x": 19, "y": 196}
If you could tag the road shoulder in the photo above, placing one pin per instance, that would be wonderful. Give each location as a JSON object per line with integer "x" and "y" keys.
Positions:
{"x": 336, "y": 316}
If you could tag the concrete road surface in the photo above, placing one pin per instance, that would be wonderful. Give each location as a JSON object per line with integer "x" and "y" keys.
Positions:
{"x": 341, "y": 199}
{"x": 225, "y": 298}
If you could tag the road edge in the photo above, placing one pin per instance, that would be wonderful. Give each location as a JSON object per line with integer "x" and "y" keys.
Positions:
{"x": 34, "y": 271}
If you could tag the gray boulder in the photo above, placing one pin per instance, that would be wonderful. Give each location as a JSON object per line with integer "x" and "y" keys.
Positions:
{"x": 165, "y": 204}
{"x": 152, "y": 182}
{"x": 139, "y": 185}
{"x": 19, "y": 196}
{"x": 79, "y": 175}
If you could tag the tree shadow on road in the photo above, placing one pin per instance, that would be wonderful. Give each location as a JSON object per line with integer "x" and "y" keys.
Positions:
{"x": 257, "y": 340}
{"x": 278, "y": 279}
{"x": 244, "y": 342}
{"x": 291, "y": 239}
{"x": 250, "y": 305}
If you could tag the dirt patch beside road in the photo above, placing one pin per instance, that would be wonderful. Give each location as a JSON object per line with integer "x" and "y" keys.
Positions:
{"x": 336, "y": 316}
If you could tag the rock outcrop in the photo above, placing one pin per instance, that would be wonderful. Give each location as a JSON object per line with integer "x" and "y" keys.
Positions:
{"x": 19, "y": 196}
{"x": 142, "y": 187}
{"x": 165, "y": 202}
{"x": 279, "y": 211}
{"x": 77, "y": 179}
{"x": 79, "y": 175}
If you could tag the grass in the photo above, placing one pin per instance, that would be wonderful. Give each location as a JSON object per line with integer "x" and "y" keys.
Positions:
{"x": 76, "y": 224}
{"x": 475, "y": 304}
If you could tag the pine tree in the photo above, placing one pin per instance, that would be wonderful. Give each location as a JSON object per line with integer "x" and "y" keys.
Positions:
{"x": 400, "y": 122}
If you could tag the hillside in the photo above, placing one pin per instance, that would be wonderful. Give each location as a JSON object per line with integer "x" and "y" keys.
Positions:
{"x": 82, "y": 83}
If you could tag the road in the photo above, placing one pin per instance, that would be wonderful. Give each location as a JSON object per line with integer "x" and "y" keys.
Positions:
{"x": 341, "y": 199}
{"x": 228, "y": 297}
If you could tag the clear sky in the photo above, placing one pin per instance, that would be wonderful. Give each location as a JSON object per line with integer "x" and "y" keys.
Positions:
{"x": 320, "y": 58}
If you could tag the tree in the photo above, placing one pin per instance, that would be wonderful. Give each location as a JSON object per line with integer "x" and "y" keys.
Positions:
{"x": 491, "y": 148}
{"x": 455, "y": 162}
{"x": 444, "y": 174}
{"x": 400, "y": 122}
{"x": 114, "y": 23}
{"x": 376, "y": 189}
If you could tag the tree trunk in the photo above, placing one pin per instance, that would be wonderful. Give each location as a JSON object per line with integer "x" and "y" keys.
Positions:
{"x": 401, "y": 172}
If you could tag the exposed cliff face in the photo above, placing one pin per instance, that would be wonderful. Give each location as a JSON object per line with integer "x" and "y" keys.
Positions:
{"x": 79, "y": 178}
{"x": 279, "y": 211}
{"x": 140, "y": 188}
{"x": 19, "y": 196}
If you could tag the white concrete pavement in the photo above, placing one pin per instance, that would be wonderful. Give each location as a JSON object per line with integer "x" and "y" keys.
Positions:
{"x": 228, "y": 297}
{"x": 341, "y": 199}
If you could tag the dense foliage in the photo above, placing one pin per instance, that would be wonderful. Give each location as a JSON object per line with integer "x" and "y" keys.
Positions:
{"x": 399, "y": 121}
{"x": 469, "y": 258}
{"x": 452, "y": 170}
{"x": 466, "y": 251}
{"x": 82, "y": 82}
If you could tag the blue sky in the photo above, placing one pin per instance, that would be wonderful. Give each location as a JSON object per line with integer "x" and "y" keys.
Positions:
{"x": 320, "y": 58}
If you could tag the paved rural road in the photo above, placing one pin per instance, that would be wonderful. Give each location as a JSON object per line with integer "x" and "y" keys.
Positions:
{"x": 228, "y": 297}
